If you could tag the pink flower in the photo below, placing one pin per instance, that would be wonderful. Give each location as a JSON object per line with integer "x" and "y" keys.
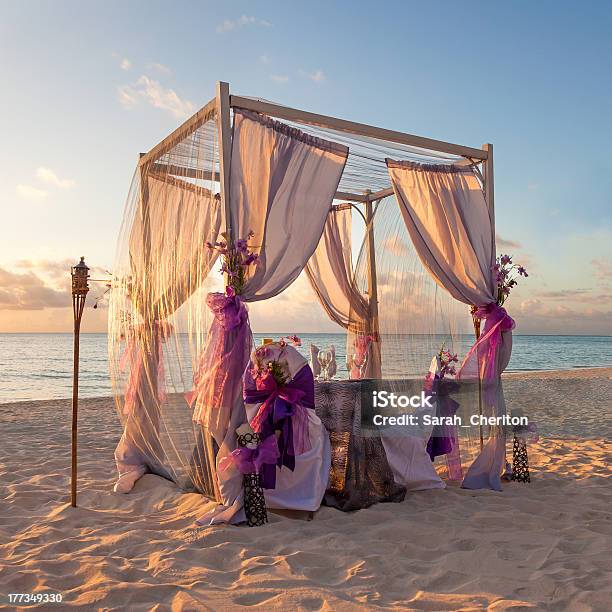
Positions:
{"x": 230, "y": 292}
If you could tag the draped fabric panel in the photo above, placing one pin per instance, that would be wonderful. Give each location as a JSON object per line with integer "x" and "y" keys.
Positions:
{"x": 330, "y": 272}
{"x": 282, "y": 185}
{"x": 446, "y": 215}
{"x": 157, "y": 321}
{"x": 283, "y": 182}
{"x": 448, "y": 220}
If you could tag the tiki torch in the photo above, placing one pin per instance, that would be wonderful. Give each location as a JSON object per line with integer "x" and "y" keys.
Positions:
{"x": 80, "y": 274}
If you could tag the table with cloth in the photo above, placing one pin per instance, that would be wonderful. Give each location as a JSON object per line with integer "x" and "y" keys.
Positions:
{"x": 367, "y": 466}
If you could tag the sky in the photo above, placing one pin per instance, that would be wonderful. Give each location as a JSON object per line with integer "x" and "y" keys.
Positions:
{"x": 86, "y": 86}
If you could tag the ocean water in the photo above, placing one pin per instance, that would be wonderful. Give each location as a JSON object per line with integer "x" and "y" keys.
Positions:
{"x": 39, "y": 366}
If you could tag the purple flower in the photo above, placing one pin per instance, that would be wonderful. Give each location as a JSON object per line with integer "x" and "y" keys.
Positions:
{"x": 230, "y": 292}
{"x": 522, "y": 271}
{"x": 505, "y": 259}
{"x": 241, "y": 245}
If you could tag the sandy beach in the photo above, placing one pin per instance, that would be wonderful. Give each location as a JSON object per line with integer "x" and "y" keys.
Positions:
{"x": 544, "y": 545}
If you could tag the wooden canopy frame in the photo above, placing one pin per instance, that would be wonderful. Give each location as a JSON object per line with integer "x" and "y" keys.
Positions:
{"x": 222, "y": 104}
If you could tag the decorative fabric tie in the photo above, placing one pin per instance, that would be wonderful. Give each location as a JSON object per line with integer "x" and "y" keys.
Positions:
{"x": 284, "y": 409}
{"x": 251, "y": 460}
{"x": 133, "y": 356}
{"x": 484, "y": 353}
{"x": 230, "y": 313}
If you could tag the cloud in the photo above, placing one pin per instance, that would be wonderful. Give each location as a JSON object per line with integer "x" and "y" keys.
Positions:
{"x": 29, "y": 292}
{"x": 318, "y": 76}
{"x": 128, "y": 97}
{"x": 396, "y": 246}
{"x": 603, "y": 268}
{"x": 125, "y": 64}
{"x": 264, "y": 59}
{"x": 31, "y": 193}
{"x": 506, "y": 244}
{"x": 160, "y": 68}
{"x": 48, "y": 176}
{"x": 279, "y": 78}
{"x": 535, "y": 316}
{"x": 155, "y": 94}
{"x": 564, "y": 294}
{"x": 44, "y": 283}
{"x": 244, "y": 20}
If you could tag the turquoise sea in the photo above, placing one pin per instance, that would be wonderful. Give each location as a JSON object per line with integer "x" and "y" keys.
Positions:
{"x": 39, "y": 366}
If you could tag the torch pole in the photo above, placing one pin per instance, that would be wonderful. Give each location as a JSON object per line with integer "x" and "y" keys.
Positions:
{"x": 80, "y": 274}
{"x": 75, "y": 406}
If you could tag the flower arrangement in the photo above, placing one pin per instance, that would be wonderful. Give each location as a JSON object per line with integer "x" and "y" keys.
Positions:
{"x": 278, "y": 369}
{"x": 506, "y": 274}
{"x": 263, "y": 367}
{"x": 237, "y": 257}
{"x": 447, "y": 362}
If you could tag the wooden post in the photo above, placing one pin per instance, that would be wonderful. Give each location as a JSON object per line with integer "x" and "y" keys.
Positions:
{"x": 80, "y": 274}
{"x": 224, "y": 131}
{"x": 225, "y": 152}
{"x": 75, "y": 406}
{"x": 489, "y": 189}
{"x": 476, "y": 322}
{"x": 376, "y": 368}
{"x": 489, "y": 193}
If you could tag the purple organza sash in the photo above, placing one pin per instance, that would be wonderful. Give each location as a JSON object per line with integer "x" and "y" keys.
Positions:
{"x": 482, "y": 359}
{"x": 218, "y": 377}
{"x": 134, "y": 356}
{"x": 251, "y": 460}
{"x": 485, "y": 362}
{"x": 283, "y": 409}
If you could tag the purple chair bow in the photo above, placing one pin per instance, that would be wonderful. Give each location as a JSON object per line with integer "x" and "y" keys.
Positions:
{"x": 284, "y": 409}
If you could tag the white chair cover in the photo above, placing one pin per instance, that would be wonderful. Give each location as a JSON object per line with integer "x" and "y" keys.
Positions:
{"x": 304, "y": 487}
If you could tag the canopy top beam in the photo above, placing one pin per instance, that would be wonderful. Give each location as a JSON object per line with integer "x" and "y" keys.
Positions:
{"x": 351, "y": 127}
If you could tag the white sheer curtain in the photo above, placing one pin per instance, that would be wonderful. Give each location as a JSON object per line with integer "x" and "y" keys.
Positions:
{"x": 330, "y": 272}
{"x": 447, "y": 217}
{"x": 283, "y": 182}
{"x": 167, "y": 264}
